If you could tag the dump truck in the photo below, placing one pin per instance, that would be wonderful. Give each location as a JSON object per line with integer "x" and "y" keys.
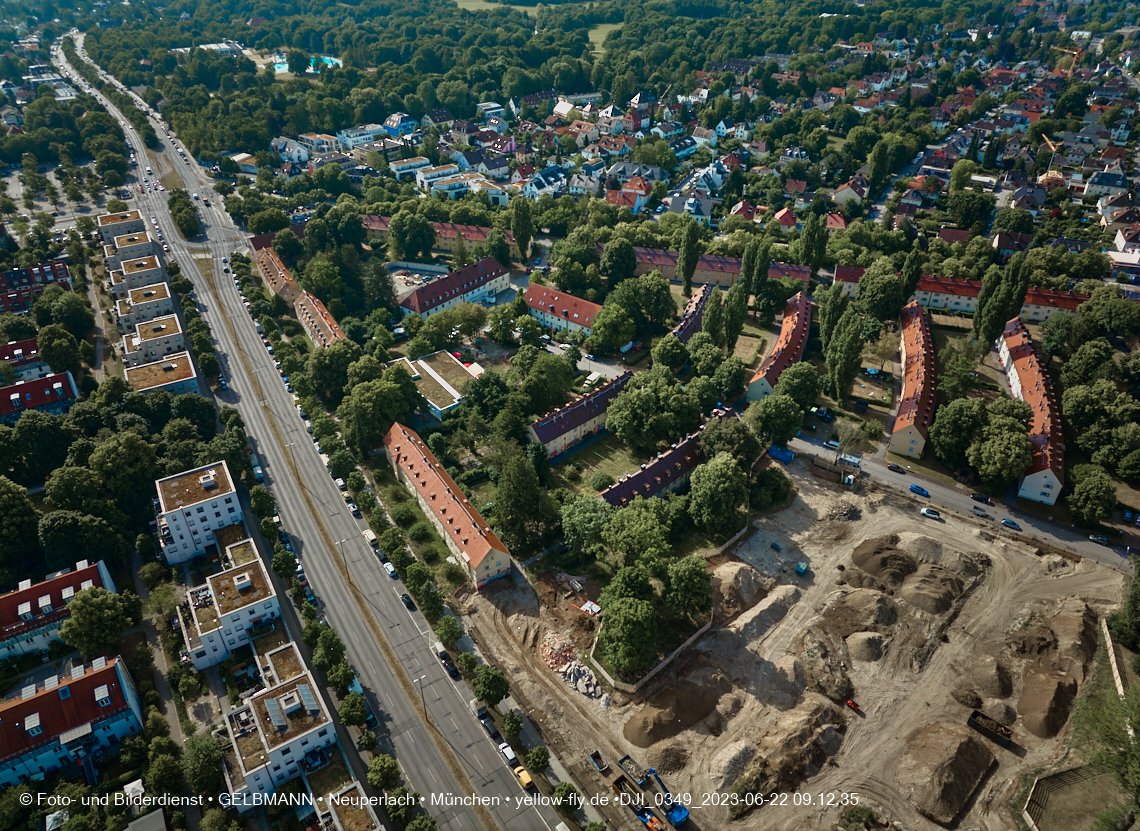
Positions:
{"x": 636, "y": 772}
{"x": 599, "y": 763}
{"x": 991, "y": 729}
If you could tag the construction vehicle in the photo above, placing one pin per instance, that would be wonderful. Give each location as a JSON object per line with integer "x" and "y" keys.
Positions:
{"x": 675, "y": 812}
{"x": 991, "y": 729}
{"x": 636, "y": 772}
{"x": 636, "y": 802}
{"x": 853, "y": 705}
{"x": 599, "y": 763}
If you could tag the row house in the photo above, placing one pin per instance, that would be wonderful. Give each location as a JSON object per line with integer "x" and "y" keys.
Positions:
{"x": 22, "y": 357}
{"x": 911, "y": 429}
{"x": 191, "y": 507}
{"x": 789, "y": 348}
{"x": 117, "y": 224}
{"x": 456, "y": 186}
{"x": 1029, "y": 381}
{"x": 447, "y": 234}
{"x": 153, "y": 341}
{"x": 143, "y": 304}
{"x": 174, "y": 373}
{"x": 30, "y": 616}
{"x": 467, "y": 535}
{"x": 474, "y": 284}
{"x": 353, "y": 137}
{"x": 566, "y": 427}
{"x": 560, "y": 311}
{"x": 128, "y": 247}
{"x": 317, "y": 321}
{"x": 135, "y": 273}
{"x": 20, "y": 287}
{"x": 692, "y": 316}
{"x": 276, "y": 276}
{"x": 53, "y": 394}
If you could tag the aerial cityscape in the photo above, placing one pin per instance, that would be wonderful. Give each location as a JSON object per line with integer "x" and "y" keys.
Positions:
{"x": 486, "y": 415}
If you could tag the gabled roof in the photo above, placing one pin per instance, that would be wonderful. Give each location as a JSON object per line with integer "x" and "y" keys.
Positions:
{"x": 576, "y": 413}
{"x": 451, "y": 511}
{"x": 790, "y": 344}
{"x": 38, "y": 393}
{"x": 693, "y": 314}
{"x": 1037, "y": 391}
{"x": 54, "y": 586}
{"x": 455, "y": 284}
{"x": 917, "y": 405}
{"x": 557, "y": 303}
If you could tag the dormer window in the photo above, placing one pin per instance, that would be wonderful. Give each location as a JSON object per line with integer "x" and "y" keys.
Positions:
{"x": 103, "y": 696}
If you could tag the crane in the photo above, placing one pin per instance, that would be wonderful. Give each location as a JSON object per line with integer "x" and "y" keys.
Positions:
{"x": 1054, "y": 148}
{"x": 1076, "y": 57}
{"x": 675, "y": 812}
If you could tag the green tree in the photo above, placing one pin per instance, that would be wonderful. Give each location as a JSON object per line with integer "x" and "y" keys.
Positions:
{"x": 512, "y": 724}
{"x": 733, "y": 436}
{"x": 1091, "y": 362}
{"x": 490, "y": 685}
{"x": 1002, "y": 452}
{"x": 618, "y": 261}
{"x": 284, "y": 563}
{"x": 59, "y": 348}
{"x": 880, "y": 291}
{"x": 497, "y": 246}
{"x": 354, "y": 711}
{"x": 522, "y": 224}
{"x": 775, "y": 419}
{"x": 960, "y": 174}
{"x": 98, "y": 618}
{"x": 383, "y": 772}
{"x": 519, "y": 493}
{"x": 19, "y": 524}
{"x": 843, "y": 353}
{"x": 538, "y": 759}
{"x": 954, "y": 428}
{"x": 402, "y": 805}
{"x": 202, "y": 760}
{"x": 802, "y": 383}
{"x": 68, "y": 536}
{"x": 911, "y": 272}
{"x": 669, "y": 351}
{"x": 629, "y": 635}
{"x": 878, "y": 165}
{"x": 411, "y": 235}
{"x": 716, "y": 492}
{"x": 713, "y": 317}
{"x": 449, "y": 631}
{"x": 612, "y": 329}
{"x": 341, "y": 677}
{"x": 1093, "y": 496}
{"x": 329, "y": 650}
{"x": 566, "y": 799}
{"x": 690, "y": 585}
{"x": 831, "y": 308}
{"x": 268, "y": 221}
{"x": 735, "y": 310}
{"x": 261, "y": 502}
{"x": 584, "y": 520}
{"x": 813, "y": 243}
{"x": 687, "y": 257}
{"x": 164, "y": 775}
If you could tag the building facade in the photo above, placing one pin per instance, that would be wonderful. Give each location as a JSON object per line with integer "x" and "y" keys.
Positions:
{"x": 789, "y": 348}
{"x": 31, "y": 615}
{"x": 143, "y": 304}
{"x": 560, "y": 311}
{"x": 52, "y": 394}
{"x": 916, "y": 406}
{"x": 116, "y": 225}
{"x": 174, "y": 373}
{"x": 191, "y": 507}
{"x": 563, "y": 428}
{"x": 153, "y": 341}
{"x": 472, "y": 284}
{"x": 135, "y": 273}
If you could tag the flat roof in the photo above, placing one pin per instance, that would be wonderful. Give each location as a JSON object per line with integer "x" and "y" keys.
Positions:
{"x": 114, "y": 219}
{"x": 184, "y": 489}
{"x": 141, "y": 264}
{"x": 123, "y": 240}
{"x": 242, "y": 552}
{"x": 240, "y": 586}
{"x": 172, "y": 368}
{"x": 301, "y": 720}
{"x": 149, "y": 294}
{"x": 158, "y": 328}
{"x": 285, "y": 662}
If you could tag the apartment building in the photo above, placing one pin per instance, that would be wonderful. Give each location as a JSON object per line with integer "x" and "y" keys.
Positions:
{"x": 789, "y": 347}
{"x": 115, "y": 225}
{"x": 192, "y": 506}
{"x": 467, "y": 534}
{"x": 52, "y": 394}
{"x": 560, "y": 311}
{"x": 565, "y": 427}
{"x": 426, "y": 175}
{"x": 142, "y": 304}
{"x": 404, "y": 168}
{"x": 128, "y": 247}
{"x": 175, "y": 374}
{"x": 1029, "y": 381}
{"x": 135, "y": 273}
{"x": 20, "y": 287}
{"x": 916, "y": 405}
{"x": 353, "y": 137}
{"x": 153, "y": 341}
{"x": 277, "y": 276}
{"x": 711, "y": 270}
{"x": 318, "y": 143}
{"x": 233, "y": 606}
{"x": 23, "y": 358}
{"x": 67, "y": 721}
{"x": 473, "y": 284}
{"x": 693, "y": 314}
{"x": 31, "y": 615}
{"x": 319, "y": 324}
{"x": 447, "y": 234}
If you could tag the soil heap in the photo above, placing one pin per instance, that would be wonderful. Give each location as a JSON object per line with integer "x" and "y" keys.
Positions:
{"x": 941, "y": 767}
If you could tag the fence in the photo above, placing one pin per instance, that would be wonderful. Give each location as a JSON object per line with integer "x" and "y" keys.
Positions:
{"x": 1116, "y": 677}
{"x": 1038, "y": 799}
{"x": 645, "y": 679}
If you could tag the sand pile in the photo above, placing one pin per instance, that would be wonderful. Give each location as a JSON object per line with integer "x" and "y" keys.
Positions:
{"x": 990, "y": 677}
{"x": 736, "y": 587}
{"x": 932, "y": 588}
{"x": 921, "y": 547}
{"x": 1045, "y": 702}
{"x": 861, "y": 610}
{"x": 668, "y": 759}
{"x": 755, "y": 623}
{"x": 942, "y": 766}
{"x": 729, "y": 763}
{"x": 795, "y": 748}
{"x": 1036, "y": 639}
{"x": 1075, "y": 627}
{"x": 677, "y": 708}
{"x": 880, "y": 558}
{"x": 780, "y": 684}
{"x": 1000, "y": 711}
{"x": 865, "y": 646}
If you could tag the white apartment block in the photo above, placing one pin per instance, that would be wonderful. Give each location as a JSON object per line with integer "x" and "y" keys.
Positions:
{"x": 408, "y": 167}
{"x": 192, "y": 506}
{"x": 116, "y": 225}
{"x": 135, "y": 273}
{"x": 175, "y": 374}
{"x": 31, "y": 615}
{"x": 230, "y": 606}
{"x": 353, "y": 137}
{"x": 153, "y": 340}
{"x": 143, "y": 304}
{"x": 128, "y": 247}
{"x": 426, "y": 175}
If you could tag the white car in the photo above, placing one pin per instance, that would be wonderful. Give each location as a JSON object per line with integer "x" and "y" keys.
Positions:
{"x": 508, "y": 753}
{"x": 930, "y": 513}
{"x": 391, "y": 569}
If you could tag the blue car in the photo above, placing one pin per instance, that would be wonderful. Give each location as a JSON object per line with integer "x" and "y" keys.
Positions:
{"x": 920, "y": 491}
{"x": 1009, "y": 523}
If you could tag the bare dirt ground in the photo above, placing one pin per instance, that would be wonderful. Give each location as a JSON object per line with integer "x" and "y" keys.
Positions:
{"x": 917, "y": 623}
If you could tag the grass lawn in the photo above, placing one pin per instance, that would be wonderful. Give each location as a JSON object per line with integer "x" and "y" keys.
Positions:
{"x": 990, "y": 369}
{"x": 483, "y": 494}
{"x": 607, "y": 455}
{"x": 598, "y": 35}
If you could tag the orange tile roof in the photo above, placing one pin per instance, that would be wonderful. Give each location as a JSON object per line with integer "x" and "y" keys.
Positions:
{"x": 551, "y": 301}
{"x": 276, "y": 275}
{"x": 917, "y": 405}
{"x": 1037, "y": 391}
{"x": 790, "y": 345}
{"x": 318, "y": 323}
{"x": 451, "y": 511}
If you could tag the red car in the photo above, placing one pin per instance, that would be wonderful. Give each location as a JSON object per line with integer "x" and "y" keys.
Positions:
{"x": 852, "y": 705}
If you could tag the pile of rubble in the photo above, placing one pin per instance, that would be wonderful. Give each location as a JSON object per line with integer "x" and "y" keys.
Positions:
{"x": 844, "y": 512}
{"x": 558, "y": 651}
{"x": 580, "y": 677}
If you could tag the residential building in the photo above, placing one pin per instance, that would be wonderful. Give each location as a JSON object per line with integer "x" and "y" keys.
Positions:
{"x": 193, "y": 505}
{"x": 31, "y": 615}
{"x": 318, "y": 143}
{"x": 1104, "y": 183}
{"x": 916, "y": 406}
{"x": 319, "y": 324}
{"x": 128, "y": 247}
{"x": 20, "y": 287}
{"x": 560, "y": 311}
{"x": 473, "y": 284}
{"x": 711, "y": 269}
{"x": 116, "y": 225}
{"x": 447, "y": 234}
{"x": 133, "y": 274}
{"x": 175, "y": 374}
{"x": 1008, "y": 243}
{"x": 288, "y": 150}
{"x": 353, "y": 137}
{"x": 223, "y": 614}
{"x": 52, "y": 394}
{"x": 143, "y": 304}
{"x": 404, "y": 168}
{"x": 1030, "y": 382}
{"x": 562, "y": 429}
{"x": 853, "y": 191}
{"x": 400, "y": 124}
{"x": 246, "y": 163}
{"x": 440, "y": 378}
{"x": 789, "y": 348}
{"x": 441, "y": 118}
{"x": 276, "y": 275}
{"x": 624, "y": 171}
{"x": 426, "y": 175}
{"x": 153, "y": 340}
{"x": 23, "y": 358}
{"x": 67, "y": 722}
{"x": 692, "y": 316}
{"x": 552, "y": 180}
{"x": 480, "y": 551}
{"x": 278, "y": 733}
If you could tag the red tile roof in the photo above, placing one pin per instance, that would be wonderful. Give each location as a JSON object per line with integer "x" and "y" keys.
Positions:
{"x": 11, "y": 625}
{"x": 58, "y": 715}
{"x": 38, "y": 393}
{"x": 21, "y": 286}
{"x": 557, "y": 303}
{"x": 789, "y": 346}
{"x": 1037, "y": 391}
{"x": 456, "y": 284}
{"x": 917, "y": 405}
{"x": 451, "y": 511}
{"x": 941, "y": 285}
{"x": 576, "y": 413}
{"x": 693, "y": 314}
{"x": 848, "y": 273}
{"x": 28, "y": 349}
{"x": 953, "y": 235}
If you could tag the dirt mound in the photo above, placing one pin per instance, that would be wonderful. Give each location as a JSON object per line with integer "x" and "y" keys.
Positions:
{"x": 781, "y": 684}
{"x": 1036, "y": 639}
{"x": 942, "y": 766}
{"x": 1045, "y": 702}
{"x": 738, "y": 586}
{"x": 922, "y": 548}
{"x": 677, "y": 708}
{"x": 966, "y": 697}
{"x": 1000, "y": 711}
{"x": 990, "y": 677}
{"x": 880, "y": 558}
{"x": 729, "y": 763}
{"x": 932, "y": 588}
{"x": 1075, "y": 627}
{"x": 755, "y": 623}
{"x": 668, "y": 759}
{"x": 865, "y": 646}
{"x": 861, "y": 610}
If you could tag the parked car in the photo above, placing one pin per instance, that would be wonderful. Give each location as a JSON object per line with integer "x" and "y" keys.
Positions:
{"x": 919, "y": 490}
{"x": 896, "y": 468}
{"x": 391, "y": 569}
{"x": 524, "y": 778}
{"x": 508, "y": 753}
{"x": 931, "y": 513}
{"x": 981, "y": 497}
{"x": 1099, "y": 539}
{"x": 449, "y": 665}
{"x": 1009, "y": 523}
{"x": 407, "y": 601}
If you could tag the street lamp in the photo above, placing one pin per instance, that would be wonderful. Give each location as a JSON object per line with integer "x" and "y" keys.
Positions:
{"x": 420, "y": 682}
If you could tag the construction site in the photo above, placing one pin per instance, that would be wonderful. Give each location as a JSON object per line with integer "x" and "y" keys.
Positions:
{"x": 924, "y": 667}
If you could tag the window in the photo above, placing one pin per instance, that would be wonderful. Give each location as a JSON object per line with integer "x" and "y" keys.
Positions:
{"x": 1048, "y": 486}
{"x": 305, "y": 742}
{"x": 229, "y": 499}
{"x": 286, "y": 751}
{"x": 218, "y": 514}
{"x": 277, "y": 767}
{"x": 201, "y": 510}
{"x": 323, "y": 732}
{"x": 231, "y": 510}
